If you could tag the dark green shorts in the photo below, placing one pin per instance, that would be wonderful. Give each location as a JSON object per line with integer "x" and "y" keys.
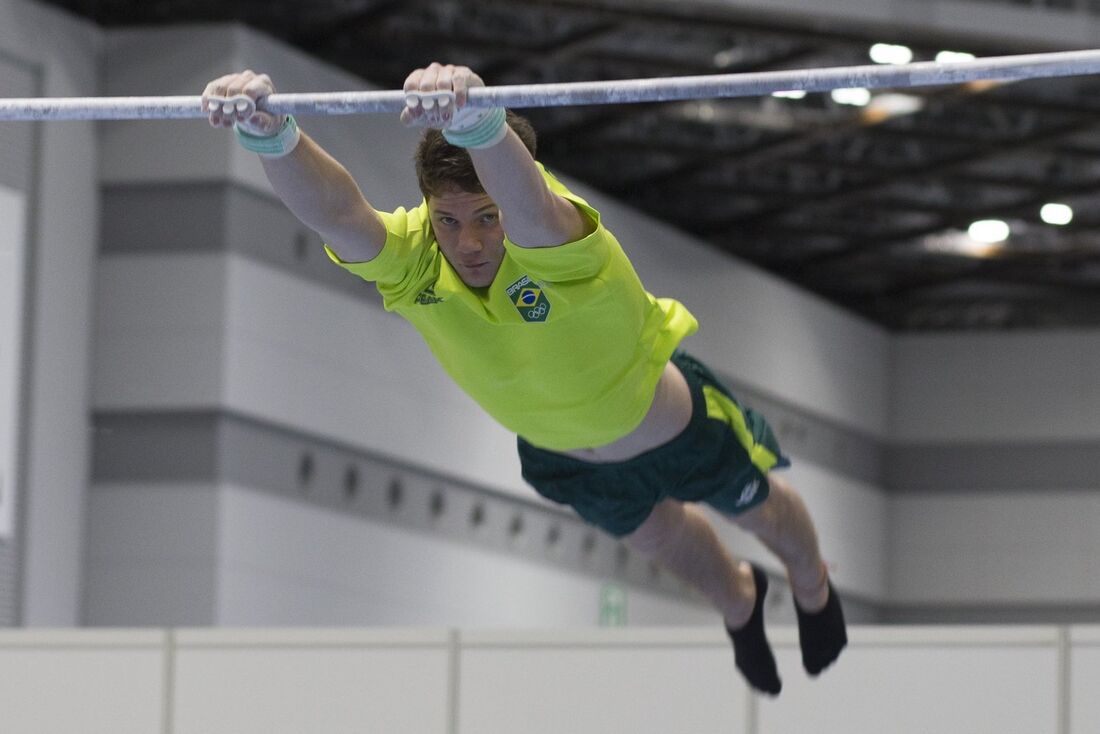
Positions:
{"x": 722, "y": 458}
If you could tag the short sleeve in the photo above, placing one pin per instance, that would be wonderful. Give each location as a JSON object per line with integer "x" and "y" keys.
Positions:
{"x": 577, "y": 260}
{"x": 399, "y": 266}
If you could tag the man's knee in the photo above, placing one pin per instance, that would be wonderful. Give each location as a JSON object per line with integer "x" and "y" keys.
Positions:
{"x": 768, "y": 513}
{"x": 664, "y": 524}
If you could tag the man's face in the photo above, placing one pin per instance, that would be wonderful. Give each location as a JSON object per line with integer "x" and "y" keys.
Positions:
{"x": 470, "y": 235}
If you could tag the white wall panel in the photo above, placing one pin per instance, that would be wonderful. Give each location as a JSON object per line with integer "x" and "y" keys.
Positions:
{"x": 636, "y": 680}
{"x": 1084, "y": 673}
{"x": 151, "y": 555}
{"x": 159, "y": 331}
{"x": 642, "y": 680}
{"x": 287, "y": 682}
{"x": 287, "y": 563}
{"x": 63, "y": 49}
{"x": 101, "y": 682}
{"x": 144, "y": 61}
{"x": 176, "y": 62}
{"x": 978, "y": 680}
{"x": 12, "y": 271}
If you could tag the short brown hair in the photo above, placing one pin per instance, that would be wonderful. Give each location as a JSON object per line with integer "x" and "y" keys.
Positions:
{"x": 442, "y": 167}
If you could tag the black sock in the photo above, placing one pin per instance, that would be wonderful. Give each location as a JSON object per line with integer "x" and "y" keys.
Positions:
{"x": 751, "y": 651}
{"x": 822, "y": 635}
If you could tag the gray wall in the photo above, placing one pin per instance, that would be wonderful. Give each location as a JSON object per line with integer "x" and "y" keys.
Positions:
{"x": 17, "y": 144}
{"x": 997, "y": 474}
{"x": 53, "y": 55}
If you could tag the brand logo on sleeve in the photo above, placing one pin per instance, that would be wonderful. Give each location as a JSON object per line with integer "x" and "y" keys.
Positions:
{"x": 427, "y": 296}
{"x": 529, "y": 299}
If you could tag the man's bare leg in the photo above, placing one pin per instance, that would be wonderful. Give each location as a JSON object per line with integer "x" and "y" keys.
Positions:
{"x": 681, "y": 538}
{"x": 783, "y": 524}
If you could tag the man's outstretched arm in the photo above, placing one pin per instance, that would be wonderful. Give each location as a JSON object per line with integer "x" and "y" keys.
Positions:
{"x": 532, "y": 215}
{"x": 312, "y": 184}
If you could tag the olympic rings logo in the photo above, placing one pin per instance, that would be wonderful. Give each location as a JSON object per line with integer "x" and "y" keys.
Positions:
{"x": 538, "y": 311}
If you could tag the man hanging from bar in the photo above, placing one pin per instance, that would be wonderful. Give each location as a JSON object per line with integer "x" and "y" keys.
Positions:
{"x": 533, "y": 308}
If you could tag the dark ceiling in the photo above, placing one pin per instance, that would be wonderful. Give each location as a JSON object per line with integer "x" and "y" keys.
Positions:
{"x": 869, "y": 209}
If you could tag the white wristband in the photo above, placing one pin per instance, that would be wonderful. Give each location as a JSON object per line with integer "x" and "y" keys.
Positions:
{"x": 477, "y": 128}
{"x": 271, "y": 146}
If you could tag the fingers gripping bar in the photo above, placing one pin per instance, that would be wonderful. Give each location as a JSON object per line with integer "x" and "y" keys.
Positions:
{"x": 239, "y": 105}
{"x": 436, "y": 107}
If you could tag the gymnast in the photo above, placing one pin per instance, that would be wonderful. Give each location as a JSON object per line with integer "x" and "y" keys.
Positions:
{"x": 530, "y": 304}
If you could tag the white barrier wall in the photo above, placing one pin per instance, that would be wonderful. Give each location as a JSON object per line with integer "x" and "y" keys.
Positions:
{"x": 915, "y": 680}
{"x": 1084, "y": 672}
{"x": 337, "y": 682}
{"x": 104, "y": 682}
{"x": 1003, "y": 680}
{"x": 629, "y": 680}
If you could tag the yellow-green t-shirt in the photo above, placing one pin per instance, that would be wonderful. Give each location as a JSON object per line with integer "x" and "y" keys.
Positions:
{"x": 564, "y": 348}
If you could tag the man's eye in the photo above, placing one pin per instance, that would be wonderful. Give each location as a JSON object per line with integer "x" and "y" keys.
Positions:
{"x": 448, "y": 221}
{"x": 489, "y": 218}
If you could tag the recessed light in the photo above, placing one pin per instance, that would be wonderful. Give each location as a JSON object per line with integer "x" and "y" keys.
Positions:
{"x": 855, "y": 96}
{"x": 1057, "y": 214}
{"x": 989, "y": 231}
{"x": 890, "y": 53}
{"x": 948, "y": 57}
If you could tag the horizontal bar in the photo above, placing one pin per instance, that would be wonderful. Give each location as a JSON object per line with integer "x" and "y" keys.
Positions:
{"x": 925, "y": 73}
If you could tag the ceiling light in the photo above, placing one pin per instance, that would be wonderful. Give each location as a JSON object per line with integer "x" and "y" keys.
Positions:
{"x": 956, "y": 243}
{"x": 889, "y": 53}
{"x": 980, "y": 249}
{"x": 989, "y": 231}
{"x": 790, "y": 94}
{"x": 970, "y": 248}
{"x": 948, "y": 57}
{"x": 857, "y": 96}
{"x": 893, "y": 104}
{"x": 1056, "y": 214}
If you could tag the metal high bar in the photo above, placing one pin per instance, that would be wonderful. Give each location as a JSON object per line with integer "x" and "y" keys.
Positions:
{"x": 873, "y": 76}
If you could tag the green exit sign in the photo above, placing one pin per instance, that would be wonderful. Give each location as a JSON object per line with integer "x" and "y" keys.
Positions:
{"x": 612, "y": 606}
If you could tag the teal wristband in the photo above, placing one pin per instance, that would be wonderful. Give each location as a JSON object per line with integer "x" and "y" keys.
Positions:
{"x": 489, "y": 129}
{"x": 271, "y": 146}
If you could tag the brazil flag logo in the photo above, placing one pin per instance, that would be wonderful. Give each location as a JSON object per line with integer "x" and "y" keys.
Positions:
{"x": 529, "y": 300}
